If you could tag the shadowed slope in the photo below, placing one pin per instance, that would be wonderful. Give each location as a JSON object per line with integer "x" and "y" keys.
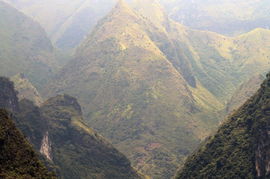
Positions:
{"x": 17, "y": 158}
{"x": 240, "y": 148}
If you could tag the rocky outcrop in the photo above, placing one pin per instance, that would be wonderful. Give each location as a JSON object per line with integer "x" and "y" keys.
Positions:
{"x": 17, "y": 157}
{"x": 26, "y": 90}
{"x": 46, "y": 147}
{"x": 8, "y": 95}
{"x": 77, "y": 149}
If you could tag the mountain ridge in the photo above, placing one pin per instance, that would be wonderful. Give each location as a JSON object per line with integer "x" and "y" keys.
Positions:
{"x": 240, "y": 147}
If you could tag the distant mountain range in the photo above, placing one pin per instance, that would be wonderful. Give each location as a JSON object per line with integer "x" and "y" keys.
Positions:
{"x": 24, "y": 46}
{"x": 153, "y": 87}
{"x": 227, "y": 17}
{"x": 68, "y": 22}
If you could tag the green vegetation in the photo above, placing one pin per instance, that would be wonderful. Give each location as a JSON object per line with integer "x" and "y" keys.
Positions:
{"x": 223, "y": 16}
{"x": 133, "y": 95}
{"x": 240, "y": 147}
{"x": 24, "y": 47}
{"x": 67, "y": 145}
{"x": 245, "y": 91}
{"x": 26, "y": 90}
{"x": 77, "y": 150}
{"x": 8, "y": 95}
{"x": 66, "y": 22}
{"x": 154, "y": 87}
{"x": 17, "y": 157}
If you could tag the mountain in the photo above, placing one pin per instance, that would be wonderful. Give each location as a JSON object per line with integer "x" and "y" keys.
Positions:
{"x": 245, "y": 91}
{"x": 65, "y": 21}
{"x": 227, "y": 17}
{"x": 18, "y": 159}
{"x": 154, "y": 86}
{"x": 58, "y": 132}
{"x": 240, "y": 147}
{"x": 24, "y": 46}
{"x": 25, "y": 89}
{"x": 8, "y": 96}
{"x": 132, "y": 94}
{"x": 76, "y": 149}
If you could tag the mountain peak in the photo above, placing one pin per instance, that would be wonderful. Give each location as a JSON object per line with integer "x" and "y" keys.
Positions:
{"x": 122, "y": 6}
{"x": 64, "y": 101}
{"x": 154, "y": 12}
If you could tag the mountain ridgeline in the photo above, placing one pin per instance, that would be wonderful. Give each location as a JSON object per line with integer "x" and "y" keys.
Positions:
{"x": 155, "y": 87}
{"x": 227, "y": 17}
{"x": 17, "y": 157}
{"x": 57, "y": 131}
{"x": 240, "y": 148}
{"x": 24, "y": 46}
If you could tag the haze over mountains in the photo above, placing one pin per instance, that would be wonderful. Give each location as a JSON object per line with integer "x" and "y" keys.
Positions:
{"x": 153, "y": 87}
{"x": 24, "y": 46}
{"x": 226, "y": 17}
{"x": 64, "y": 20}
{"x": 162, "y": 83}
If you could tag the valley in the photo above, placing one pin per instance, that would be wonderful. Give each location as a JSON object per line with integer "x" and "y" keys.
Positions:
{"x": 128, "y": 89}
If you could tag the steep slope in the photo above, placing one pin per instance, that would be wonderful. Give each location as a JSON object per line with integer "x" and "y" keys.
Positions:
{"x": 66, "y": 21}
{"x": 17, "y": 158}
{"x": 8, "y": 96}
{"x": 58, "y": 132}
{"x": 240, "y": 148}
{"x": 24, "y": 47}
{"x": 245, "y": 91}
{"x": 133, "y": 95}
{"x": 144, "y": 78}
{"x": 76, "y": 149}
{"x": 205, "y": 58}
{"x": 26, "y": 90}
{"x": 223, "y": 16}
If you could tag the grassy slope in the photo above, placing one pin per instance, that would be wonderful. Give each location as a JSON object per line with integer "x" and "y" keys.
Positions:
{"x": 239, "y": 148}
{"x": 215, "y": 58}
{"x": 226, "y": 16}
{"x": 25, "y": 43}
{"x": 66, "y": 21}
{"x": 143, "y": 102}
{"x": 77, "y": 150}
{"x": 154, "y": 74}
{"x": 26, "y": 90}
{"x": 244, "y": 92}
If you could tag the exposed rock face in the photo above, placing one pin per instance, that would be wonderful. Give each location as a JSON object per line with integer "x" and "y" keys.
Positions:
{"x": 17, "y": 157}
{"x": 8, "y": 96}
{"x": 26, "y": 90}
{"x": 58, "y": 132}
{"x": 46, "y": 147}
{"x": 77, "y": 149}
